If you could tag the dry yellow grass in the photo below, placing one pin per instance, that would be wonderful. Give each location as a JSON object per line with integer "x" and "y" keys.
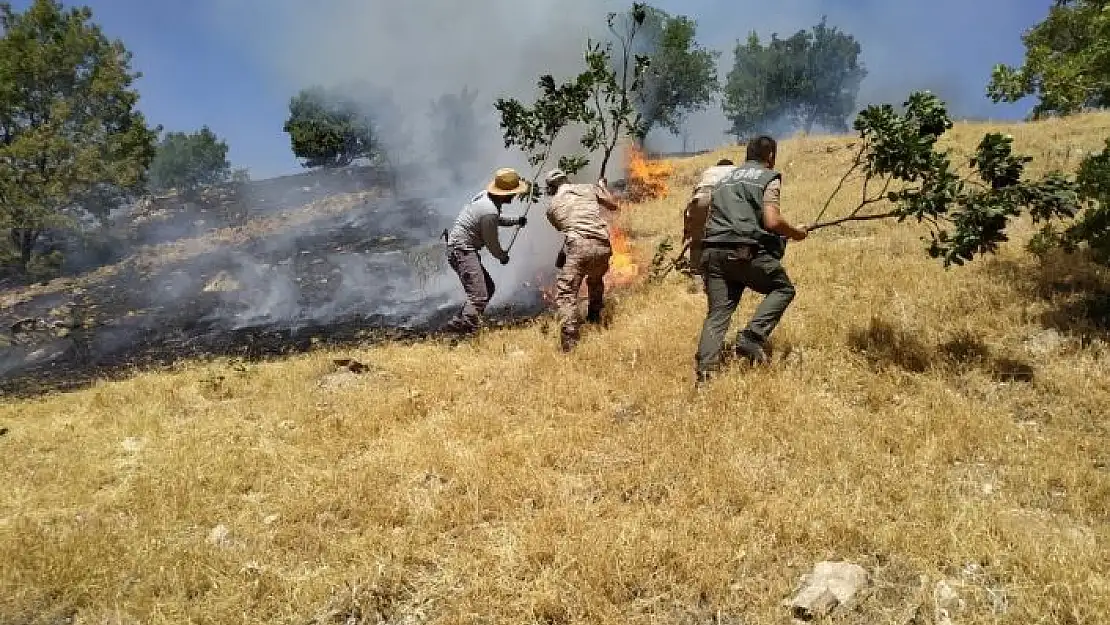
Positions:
{"x": 921, "y": 422}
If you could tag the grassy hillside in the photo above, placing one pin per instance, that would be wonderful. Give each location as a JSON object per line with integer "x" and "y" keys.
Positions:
{"x": 929, "y": 425}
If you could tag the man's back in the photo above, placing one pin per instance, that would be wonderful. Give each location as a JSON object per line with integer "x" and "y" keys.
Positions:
{"x": 466, "y": 233}
{"x": 737, "y": 212}
{"x": 575, "y": 210}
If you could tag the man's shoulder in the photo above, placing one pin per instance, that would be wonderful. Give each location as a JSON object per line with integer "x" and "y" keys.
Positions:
{"x": 481, "y": 203}
{"x": 715, "y": 174}
{"x": 580, "y": 188}
{"x": 751, "y": 173}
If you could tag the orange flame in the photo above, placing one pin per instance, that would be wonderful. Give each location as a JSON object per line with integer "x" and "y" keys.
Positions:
{"x": 622, "y": 269}
{"x": 646, "y": 180}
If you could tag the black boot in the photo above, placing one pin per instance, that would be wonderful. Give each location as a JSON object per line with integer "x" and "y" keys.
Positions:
{"x": 593, "y": 316}
{"x": 751, "y": 346}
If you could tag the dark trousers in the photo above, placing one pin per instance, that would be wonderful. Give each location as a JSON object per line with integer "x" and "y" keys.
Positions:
{"x": 726, "y": 273}
{"x": 477, "y": 284}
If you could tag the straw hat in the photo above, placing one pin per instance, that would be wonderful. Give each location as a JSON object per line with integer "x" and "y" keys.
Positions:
{"x": 507, "y": 182}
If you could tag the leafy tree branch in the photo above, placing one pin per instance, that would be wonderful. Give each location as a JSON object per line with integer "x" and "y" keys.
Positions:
{"x": 967, "y": 215}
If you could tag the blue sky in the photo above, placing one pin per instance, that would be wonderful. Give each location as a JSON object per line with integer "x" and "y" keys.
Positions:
{"x": 212, "y": 62}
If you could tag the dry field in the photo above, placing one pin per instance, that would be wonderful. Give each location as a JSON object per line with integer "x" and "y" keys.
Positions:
{"x": 943, "y": 429}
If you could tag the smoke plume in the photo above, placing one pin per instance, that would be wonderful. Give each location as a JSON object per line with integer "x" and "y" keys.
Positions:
{"x": 408, "y": 55}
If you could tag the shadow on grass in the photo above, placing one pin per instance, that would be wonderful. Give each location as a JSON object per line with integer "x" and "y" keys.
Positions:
{"x": 1075, "y": 290}
{"x": 885, "y": 345}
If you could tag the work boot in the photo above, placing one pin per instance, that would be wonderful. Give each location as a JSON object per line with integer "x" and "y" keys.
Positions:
{"x": 567, "y": 341}
{"x": 751, "y": 347}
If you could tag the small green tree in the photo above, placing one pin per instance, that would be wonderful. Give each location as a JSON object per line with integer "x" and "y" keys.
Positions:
{"x": 70, "y": 135}
{"x": 681, "y": 76}
{"x": 327, "y": 128}
{"x": 1067, "y": 61}
{"x": 968, "y": 215}
{"x": 600, "y": 100}
{"x": 533, "y": 129}
{"x": 614, "y": 85}
{"x": 188, "y": 161}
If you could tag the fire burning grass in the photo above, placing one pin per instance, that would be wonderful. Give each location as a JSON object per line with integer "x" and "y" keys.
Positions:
{"x": 647, "y": 180}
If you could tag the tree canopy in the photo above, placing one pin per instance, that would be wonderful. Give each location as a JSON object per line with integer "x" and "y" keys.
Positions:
{"x": 681, "y": 76}
{"x": 458, "y": 132}
{"x": 187, "y": 161}
{"x": 1067, "y": 61}
{"x": 328, "y": 128}
{"x": 70, "y": 135}
{"x": 812, "y": 77}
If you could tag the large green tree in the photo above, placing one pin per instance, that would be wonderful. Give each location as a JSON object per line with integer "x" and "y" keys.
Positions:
{"x": 681, "y": 76}
{"x": 810, "y": 78}
{"x": 328, "y": 128}
{"x": 70, "y": 136}
{"x": 747, "y": 97}
{"x": 188, "y": 161}
{"x": 1067, "y": 61}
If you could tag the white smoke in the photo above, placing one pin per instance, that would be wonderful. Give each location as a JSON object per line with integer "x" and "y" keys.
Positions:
{"x": 415, "y": 51}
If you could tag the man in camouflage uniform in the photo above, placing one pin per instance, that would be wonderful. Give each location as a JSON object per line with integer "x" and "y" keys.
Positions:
{"x": 475, "y": 228}
{"x": 697, "y": 209}
{"x": 744, "y": 242}
{"x": 575, "y": 210}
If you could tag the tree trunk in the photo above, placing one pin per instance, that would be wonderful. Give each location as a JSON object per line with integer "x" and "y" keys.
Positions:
{"x": 605, "y": 161}
{"x": 24, "y": 240}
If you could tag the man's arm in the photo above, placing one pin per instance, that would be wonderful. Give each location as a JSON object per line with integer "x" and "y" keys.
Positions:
{"x": 489, "y": 237}
{"x": 772, "y": 218}
{"x": 604, "y": 197}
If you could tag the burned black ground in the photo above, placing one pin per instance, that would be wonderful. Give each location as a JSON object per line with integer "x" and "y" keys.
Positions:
{"x": 369, "y": 274}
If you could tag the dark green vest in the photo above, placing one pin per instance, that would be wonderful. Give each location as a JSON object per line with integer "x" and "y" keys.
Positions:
{"x": 736, "y": 215}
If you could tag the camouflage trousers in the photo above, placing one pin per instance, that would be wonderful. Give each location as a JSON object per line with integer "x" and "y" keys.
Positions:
{"x": 586, "y": 260}
{"x": 697, "y": 210}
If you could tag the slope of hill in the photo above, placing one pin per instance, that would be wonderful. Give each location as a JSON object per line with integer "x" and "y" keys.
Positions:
{"x": 946, "y": 430}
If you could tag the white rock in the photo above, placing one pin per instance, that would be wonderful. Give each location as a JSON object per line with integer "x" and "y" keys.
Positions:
{"x": 830, "y": 584}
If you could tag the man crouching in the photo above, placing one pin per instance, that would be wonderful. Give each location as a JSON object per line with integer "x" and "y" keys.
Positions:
{"x": 575, "y": 211}
{"x": 475, "y": 228}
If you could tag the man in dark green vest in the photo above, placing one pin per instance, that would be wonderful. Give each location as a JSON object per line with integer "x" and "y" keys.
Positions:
{"x": 744, "y": 242}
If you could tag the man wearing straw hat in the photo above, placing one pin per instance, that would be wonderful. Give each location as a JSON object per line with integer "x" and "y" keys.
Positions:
{"x": 475, "y": 228}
